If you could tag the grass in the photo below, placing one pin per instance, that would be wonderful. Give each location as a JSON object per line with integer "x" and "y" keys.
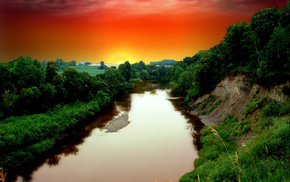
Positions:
{"x": 23, "y": 138}
{"x": 92, "y": 70}
{"x": 264, "y": 157}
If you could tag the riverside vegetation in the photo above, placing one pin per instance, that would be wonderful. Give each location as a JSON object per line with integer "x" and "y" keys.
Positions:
{"x": 39, "y": 105}
{"x": 253, "y": 146}
{"x": 57, "y": 102}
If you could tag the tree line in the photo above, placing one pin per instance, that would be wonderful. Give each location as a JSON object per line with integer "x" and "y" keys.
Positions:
{"x": 26, "y": 87}
{"x": 166, "y": 62}
{"x": 61, "y": 65}
{"x": 145, "y": 72}
{"x": 260, "y": 49}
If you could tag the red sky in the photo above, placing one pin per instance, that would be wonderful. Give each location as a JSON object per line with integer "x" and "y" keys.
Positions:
{"x": 115, "y": 31}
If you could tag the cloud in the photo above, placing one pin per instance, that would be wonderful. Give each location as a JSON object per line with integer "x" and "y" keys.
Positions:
{"x": 136, "y": 6}
{"x": 248, "y": 5}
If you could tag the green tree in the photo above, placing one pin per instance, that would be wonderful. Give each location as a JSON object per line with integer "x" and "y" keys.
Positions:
{"x": 29, "y": 97}
{"x": 126, "y": 70}
{"x": 5, "y": 78}
{"x": 48, "y": 96}
{"x": 274, "y": 68}
{"x": 185, "y": 81}
{"x": 72, "y": 63}
{"x": 162, "y": 70}
{"x": 103, "y": 66}
{"x": 50, "y": 71}
{"x": 144, "y": 74}
{"x": 72, "y": 84}
{"x": 115, "y": 81}
{"x": 27, "y": 73}
{"x": 264, "y": 22}
{"x": 285, "y": 16}
{"x": 233, "y": 45}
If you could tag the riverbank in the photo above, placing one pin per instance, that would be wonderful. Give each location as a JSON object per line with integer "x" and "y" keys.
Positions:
{"x": 23, "y": 138}
{"x": 247, "y": 133}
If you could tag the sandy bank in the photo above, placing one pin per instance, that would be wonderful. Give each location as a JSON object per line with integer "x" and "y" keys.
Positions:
{"x": 117, "y": 123}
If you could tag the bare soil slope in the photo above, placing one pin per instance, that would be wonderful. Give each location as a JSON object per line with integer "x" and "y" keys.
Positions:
{"x": 231, "y": 96}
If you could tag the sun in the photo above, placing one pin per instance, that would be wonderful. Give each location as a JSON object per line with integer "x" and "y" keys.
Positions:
{"x": 121, "y": 56}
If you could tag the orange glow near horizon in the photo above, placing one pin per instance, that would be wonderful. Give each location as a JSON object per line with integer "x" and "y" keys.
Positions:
{"x": 114, "y": 33}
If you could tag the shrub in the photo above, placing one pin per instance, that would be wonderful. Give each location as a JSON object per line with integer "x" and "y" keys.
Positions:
{"x": 255, "y": 103}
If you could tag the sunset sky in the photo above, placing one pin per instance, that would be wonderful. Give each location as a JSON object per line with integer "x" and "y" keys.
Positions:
{"x": 115, "y": 31}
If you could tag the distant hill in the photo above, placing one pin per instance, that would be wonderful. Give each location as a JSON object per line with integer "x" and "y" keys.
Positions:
{"x": 168, "y": 62}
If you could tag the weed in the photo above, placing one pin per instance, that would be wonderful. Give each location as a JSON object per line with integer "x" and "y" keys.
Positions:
{"x": 2, "y": 175}
{"x": 219, "y": 137}
{"x": 211, "y": 109}
{"x": 255, "y": 103}
{"x": 248, "y": 150}
{"x": 218, "y": 102}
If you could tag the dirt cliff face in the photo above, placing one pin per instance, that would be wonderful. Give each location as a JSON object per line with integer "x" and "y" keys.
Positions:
{"x": 231, "y": 96}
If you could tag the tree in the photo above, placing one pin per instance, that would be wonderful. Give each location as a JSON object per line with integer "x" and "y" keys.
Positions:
{"x": 5, "y": 76}
{"x": 72, "y": 84}
{"x": 50, "y": 71}
{"x": 232, "y": 44}
{"x": 27, "y": 73}
{"x": 162, "y": 70}
{"x": 60, "y": 64}
{"x": 184, "y": 81}
{"x": 188, "y": 60}
{"x": 144, "y": 74}
{"x": 43, "y": 64}
{"x": 87, "y": 63}
{"x": 285, "y": 16}
{"x": 115, "y": 81}
{"x": 142, "y": 65}
{"x": 274, "y": 68}
{"x": 125, "y": 70}
{"x": 72, "y": 63}
{"x": 103, "y": 66}
{"x": 264, "y": 23}
{"x": 29, "y": 97}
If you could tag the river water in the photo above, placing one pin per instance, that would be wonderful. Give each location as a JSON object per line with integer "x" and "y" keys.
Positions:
{"x": 161, "y": 142}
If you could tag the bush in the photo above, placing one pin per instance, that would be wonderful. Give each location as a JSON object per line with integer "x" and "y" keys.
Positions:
{"x": 256, "y": 103}
{"x": 272, "y": 109}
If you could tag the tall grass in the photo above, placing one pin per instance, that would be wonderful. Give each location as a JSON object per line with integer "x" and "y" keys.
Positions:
{"x": 263, "y": 157}
{"x": 2, "y": 175}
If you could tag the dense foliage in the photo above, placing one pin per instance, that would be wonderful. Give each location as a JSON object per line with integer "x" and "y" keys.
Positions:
{"x": 24, "y": 82}
{"x": 145, "y": 72}
{"x": 260, "y": 49}
{"x": 56, "y": 103}
{"x": 23, "y": 138}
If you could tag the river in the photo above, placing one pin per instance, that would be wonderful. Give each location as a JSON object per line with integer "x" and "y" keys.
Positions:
{"x": 161, "y": 142}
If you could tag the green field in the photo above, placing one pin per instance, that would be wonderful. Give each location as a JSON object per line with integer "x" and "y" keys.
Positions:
{"x": 92, "y": 70}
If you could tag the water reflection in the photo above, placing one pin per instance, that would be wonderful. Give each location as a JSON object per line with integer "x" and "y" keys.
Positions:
{"x": 66, "y": 146}
{"x": 196, "y": 124}
{"x": 70, "y": 144}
